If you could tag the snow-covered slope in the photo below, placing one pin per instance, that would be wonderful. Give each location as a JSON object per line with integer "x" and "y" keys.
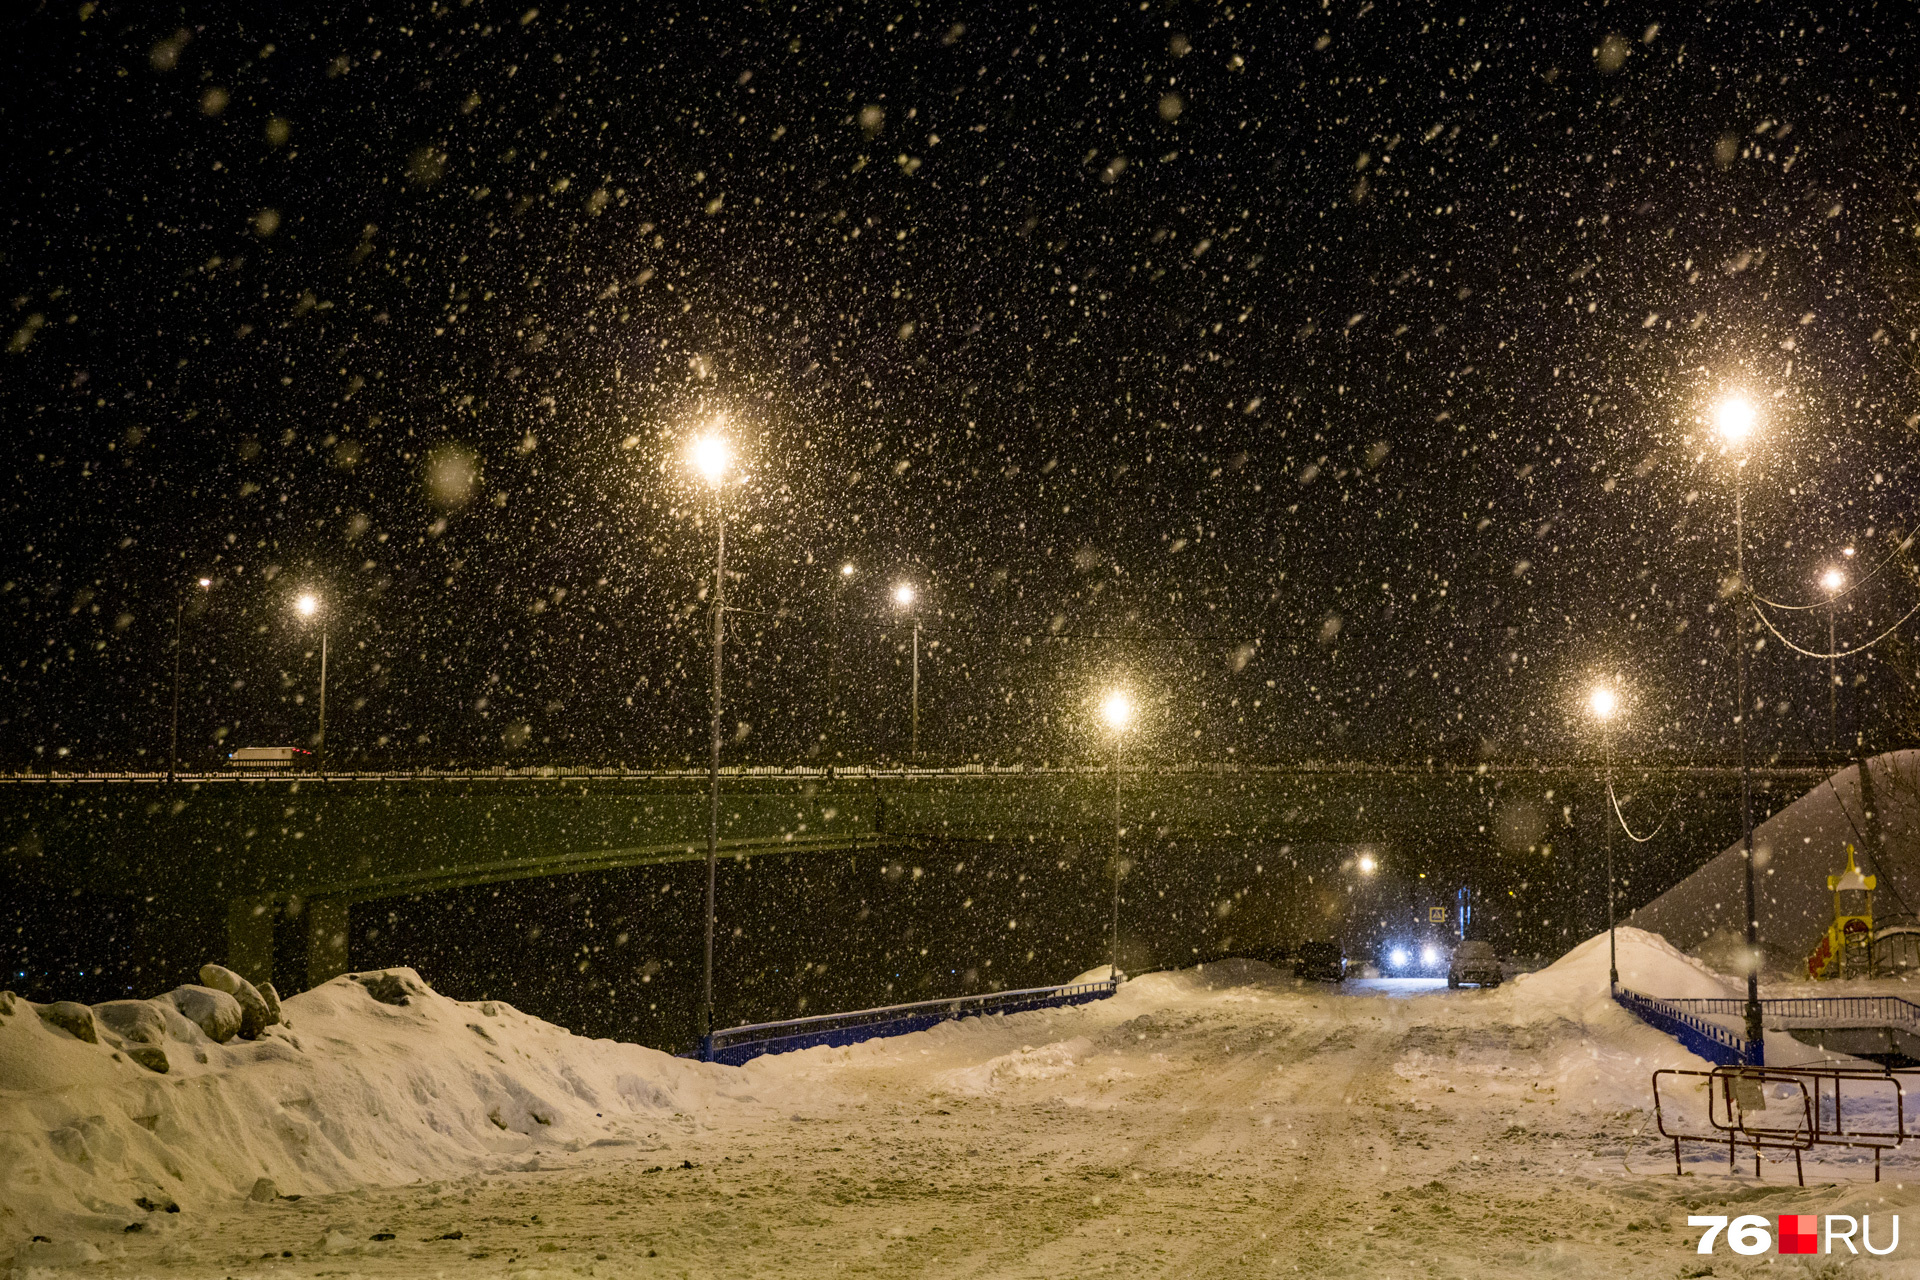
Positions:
{"x": 1794, "y": 852}
{"x": 351, "y": 1091}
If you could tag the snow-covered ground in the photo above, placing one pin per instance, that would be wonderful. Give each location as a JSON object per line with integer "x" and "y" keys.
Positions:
{"x": 1211, "y": 1122}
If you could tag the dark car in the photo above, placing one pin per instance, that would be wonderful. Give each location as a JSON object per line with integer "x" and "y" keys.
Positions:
{"x": 1320, "y": 961}
{"x": 1474, "y": 962}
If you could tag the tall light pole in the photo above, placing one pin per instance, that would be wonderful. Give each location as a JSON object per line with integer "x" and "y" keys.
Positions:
{"x": 1735, "y": 419}
{"x": 832, "y": 737}
{"x": 712, "y": 457}
{"x": 1833, "y": 580}
{"x": 179, "y": 614}
{"x": 1117, "y": 710}
{"x": 1602, "y": 703}
{"x": 904, "y": 596}
{"x": 308, "y": 606}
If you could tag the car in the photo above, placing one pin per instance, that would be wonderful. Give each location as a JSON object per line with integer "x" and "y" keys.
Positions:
{"x": 1320, "y": 961}
{"x": 1474, "y": 962}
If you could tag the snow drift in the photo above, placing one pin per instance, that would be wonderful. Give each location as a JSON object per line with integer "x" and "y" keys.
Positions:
{"x": 374, "y": 1078}
{"x": 1794, "y": 852}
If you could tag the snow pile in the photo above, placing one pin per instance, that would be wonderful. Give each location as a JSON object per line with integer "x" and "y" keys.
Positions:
{"x": 1575, "y": 986}
{"x": 374, "y": 1078}
{"x": 1047, "y": 1062}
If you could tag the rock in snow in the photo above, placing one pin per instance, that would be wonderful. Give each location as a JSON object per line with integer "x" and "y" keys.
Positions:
{"x": 214, "y": 1012}
{"x": 75, "y": 1019}
{"x": 141, "y": 1029}
{"x": 256, "y": 1015}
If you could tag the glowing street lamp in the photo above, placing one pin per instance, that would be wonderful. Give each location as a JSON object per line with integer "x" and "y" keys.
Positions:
{"x": 1738, "y": 422}
{"x": 1116, "y": 709}
{"x": 712, "y": 457}
{"x": 904, "y": 596}
{"x": 179, "y": 614}
{"x": 1603, "y": 703}
{"x": 830, "y": 737}
{"x": 1833, "y": 580}
{"x": 1367, "y": 864}
{"x": 308, "y": 606}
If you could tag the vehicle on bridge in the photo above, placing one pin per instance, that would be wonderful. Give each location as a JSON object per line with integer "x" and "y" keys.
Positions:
{"x": 267, "y": 757}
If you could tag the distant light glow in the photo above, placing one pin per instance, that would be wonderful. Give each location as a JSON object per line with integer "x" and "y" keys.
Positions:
{"x": 1117, "y": 710}
{"x": 308, "y": 605}
{"x": 904, "y": 595}
{"x": 206, "y": 582}
{"x": 1602, "y": 703}
{"x": 1833, "y": 580}
{"x": 1367, "y": 864}
{"x": 711, "y": 455}
{"x": 1848, "y": 552}
{"x": 1397, "y": 957}
{"x": 846, "y": 570}
{"x": 1735, "y": 418}
{"x": 1429, "y": 956}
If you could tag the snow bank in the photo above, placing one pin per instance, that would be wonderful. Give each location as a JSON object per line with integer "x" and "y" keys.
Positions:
{"x": 1575, "y": 986}
{"x": 374, "y": 1078}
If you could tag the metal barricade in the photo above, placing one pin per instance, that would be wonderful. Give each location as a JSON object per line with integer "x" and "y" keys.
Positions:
{"x": 1811, "y": 1106}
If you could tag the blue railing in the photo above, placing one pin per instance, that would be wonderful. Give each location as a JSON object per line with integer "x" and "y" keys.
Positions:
{"x": 1681, "y": 1019}
{"x": 1822, "y": 1011}
{"x": 736, "y": 1045}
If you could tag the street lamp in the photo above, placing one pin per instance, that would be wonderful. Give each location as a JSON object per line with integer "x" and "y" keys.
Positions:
{"x": 308, "y": 606}
{"x": 712, "y": 457}
{"x": 1833, "y": 580}
{"x": 1602, "y": 703}
{"x": 179, "y": 614}
{"x": 1117, "y": 710}
{"x": 1737, "y": 422}
{"x": 831, "y": 737}
{"x": 904, "y": 596}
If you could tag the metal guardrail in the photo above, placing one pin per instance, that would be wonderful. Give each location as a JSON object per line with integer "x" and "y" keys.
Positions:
{"x": 1817, "y": 1011}
{"x": 1710, "y": 1040}
{"x": 1307, "y": 769}
{"x": 737, "y": 1045}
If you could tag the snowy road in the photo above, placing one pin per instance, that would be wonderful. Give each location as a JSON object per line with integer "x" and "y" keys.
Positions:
{"x": 1222, "y": 1122}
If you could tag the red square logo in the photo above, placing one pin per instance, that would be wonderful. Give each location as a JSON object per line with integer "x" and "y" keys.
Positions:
{"x": 1799, "y": 1233}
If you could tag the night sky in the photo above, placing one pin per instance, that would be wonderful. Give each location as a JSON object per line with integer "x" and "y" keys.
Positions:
{"x": 1337, "y": 377}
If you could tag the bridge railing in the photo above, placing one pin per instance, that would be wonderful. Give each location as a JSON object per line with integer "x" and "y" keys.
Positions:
{"x": 1691, "y": 1027}
{"x": 737, "y": 1045}
{"x": 1818, "y": 1011}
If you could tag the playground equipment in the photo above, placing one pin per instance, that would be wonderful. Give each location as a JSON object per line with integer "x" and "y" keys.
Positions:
{"x": 1847, "y": 947}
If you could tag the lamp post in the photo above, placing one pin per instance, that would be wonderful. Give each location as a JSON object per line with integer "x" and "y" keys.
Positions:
{"x": 308, "y": 606}
{"x": 904, "y": 596}
{"x": 830, "y": 738}
{"x": 712, "y": 457}
{"x": 1602, "y": 703}
{"x": 1833, "y": 580}
{"x": 1735, "y": 419}
{"x": 1117, "y": 710}
{"x": 179, "y": 614}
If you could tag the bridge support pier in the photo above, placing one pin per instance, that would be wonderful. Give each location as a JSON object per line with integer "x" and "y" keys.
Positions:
{"x": 250, "y": 938}
{"x": 326, "y": 939}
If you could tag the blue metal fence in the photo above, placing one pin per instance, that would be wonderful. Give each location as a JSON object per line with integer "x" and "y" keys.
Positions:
{"x": 736, "y": 1045}
{"x": 1682, "y": 1020}
{"x": 1821, "y": 1011}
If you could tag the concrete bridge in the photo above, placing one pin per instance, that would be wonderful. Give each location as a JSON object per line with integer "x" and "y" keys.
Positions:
{"x": 264, "y": 849}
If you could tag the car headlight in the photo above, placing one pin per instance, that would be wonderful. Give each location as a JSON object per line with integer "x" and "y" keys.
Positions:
{"x": 1429, "y": 956}
{"x": 1397, "y": 957}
